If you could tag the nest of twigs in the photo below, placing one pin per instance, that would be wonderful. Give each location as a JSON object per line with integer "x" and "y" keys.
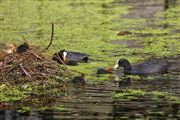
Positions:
{"x": 29, "y": 66}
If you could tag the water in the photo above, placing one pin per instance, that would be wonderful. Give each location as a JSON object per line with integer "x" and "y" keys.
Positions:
{"x": 94, "y": 101}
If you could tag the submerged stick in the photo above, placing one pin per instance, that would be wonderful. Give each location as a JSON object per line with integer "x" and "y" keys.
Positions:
{"x": 52, "y": 35}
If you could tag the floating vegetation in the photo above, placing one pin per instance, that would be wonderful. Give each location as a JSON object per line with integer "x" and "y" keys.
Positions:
{"x": 11, "y": 94}
{"x": 134, "y": 94}
{"x": 21, "y": 97}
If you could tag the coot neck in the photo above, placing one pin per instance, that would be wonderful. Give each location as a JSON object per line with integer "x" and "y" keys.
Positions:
{"x": 127, "y": 68}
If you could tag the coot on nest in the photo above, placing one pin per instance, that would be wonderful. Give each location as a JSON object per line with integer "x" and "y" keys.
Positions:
{"x": 23, "y": 47}
{"x": 76, "y": 56}
{"x": 60, "y": 57}
{"x": 70, "y": 57}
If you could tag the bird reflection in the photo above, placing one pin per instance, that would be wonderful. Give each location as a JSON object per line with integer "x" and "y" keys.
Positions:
{"x": 125, "y": 82}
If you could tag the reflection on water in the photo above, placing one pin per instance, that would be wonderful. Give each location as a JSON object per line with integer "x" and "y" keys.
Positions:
{"x": 96, "y": 102}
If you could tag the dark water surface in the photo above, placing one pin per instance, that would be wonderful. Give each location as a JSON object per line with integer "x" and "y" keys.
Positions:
{"x": 95, "y": 102}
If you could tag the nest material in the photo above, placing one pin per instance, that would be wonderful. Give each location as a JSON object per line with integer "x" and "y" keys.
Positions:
{"x": 30, "y": 66}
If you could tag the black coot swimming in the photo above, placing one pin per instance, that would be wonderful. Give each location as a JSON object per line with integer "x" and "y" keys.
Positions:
{"x": 146, "y": 68}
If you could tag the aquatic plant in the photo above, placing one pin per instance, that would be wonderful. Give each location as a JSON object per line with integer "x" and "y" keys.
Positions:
{"x": 136, "y": 94}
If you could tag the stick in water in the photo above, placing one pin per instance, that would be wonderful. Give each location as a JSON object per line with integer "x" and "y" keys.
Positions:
{"x": 52, "y": 35}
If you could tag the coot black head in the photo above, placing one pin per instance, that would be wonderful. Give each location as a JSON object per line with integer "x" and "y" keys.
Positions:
{"x": 60, "y": 56}
{"x": 124, "y": 63}
{"x": 63, "y": 54}
{"x": 63, "y": 50}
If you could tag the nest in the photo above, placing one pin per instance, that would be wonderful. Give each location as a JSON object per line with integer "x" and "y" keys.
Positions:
{"x": 29, "y": 66}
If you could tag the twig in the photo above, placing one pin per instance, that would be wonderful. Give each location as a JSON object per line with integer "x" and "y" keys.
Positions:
{"x": 59, "y": 58}
{"x": 26, "y": 73}
{"x": 37, "y": 56}
{"x": 52, "y": 35}
{"x": 24, "y": 38}
{"x": 11, "y": 70}
{"x": 4, "y": 67}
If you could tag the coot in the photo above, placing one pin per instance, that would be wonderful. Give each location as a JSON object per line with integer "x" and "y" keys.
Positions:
{"x": 70, "y": 57}
{"x": 146, "y": 68}
{"x": 23, "y": 47}
{"x": 75, "y": 56}
{"x": 60, "y": 57}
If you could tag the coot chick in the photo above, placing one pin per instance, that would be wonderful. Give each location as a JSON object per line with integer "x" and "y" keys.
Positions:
{"x": 145, "y": 68}
{"x": 79, "y": 80}
{"x": 23, "y": 47}
{"x": 104, "y": 71}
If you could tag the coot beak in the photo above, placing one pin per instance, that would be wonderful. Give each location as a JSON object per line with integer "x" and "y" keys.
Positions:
{"x": 116, "y": 66}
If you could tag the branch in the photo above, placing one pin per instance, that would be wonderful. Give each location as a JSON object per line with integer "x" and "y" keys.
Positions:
{"x": 25, "y": 72}
{"x": 52, "y": 35}
{"x": 37, "y": 56}
{"x": 59, "y": 58}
